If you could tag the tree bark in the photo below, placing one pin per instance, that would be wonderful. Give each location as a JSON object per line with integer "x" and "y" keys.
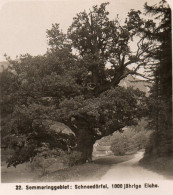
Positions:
{"x": 85, "y": 142}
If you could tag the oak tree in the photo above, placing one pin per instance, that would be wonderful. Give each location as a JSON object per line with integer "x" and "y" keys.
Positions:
{"x": 77, "y": 83}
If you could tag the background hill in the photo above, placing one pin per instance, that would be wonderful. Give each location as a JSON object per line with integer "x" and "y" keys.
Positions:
{"x": 129, "y": 81}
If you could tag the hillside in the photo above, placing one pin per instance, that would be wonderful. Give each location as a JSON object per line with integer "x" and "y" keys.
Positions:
{"x": 129, "y": 81}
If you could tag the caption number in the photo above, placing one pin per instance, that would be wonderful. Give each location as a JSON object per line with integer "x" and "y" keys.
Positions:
{"x": 18, "y": 187}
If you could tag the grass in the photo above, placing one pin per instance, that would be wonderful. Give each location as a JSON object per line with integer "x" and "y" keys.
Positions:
{"x": 19, "y": 174}
{"x": 86, "y": 172}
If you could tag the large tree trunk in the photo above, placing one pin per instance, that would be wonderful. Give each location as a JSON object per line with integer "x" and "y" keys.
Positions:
{"x": 85, "y": 142}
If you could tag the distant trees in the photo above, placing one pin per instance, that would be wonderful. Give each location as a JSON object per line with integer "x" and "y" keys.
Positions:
{"x": 73, "y": 84}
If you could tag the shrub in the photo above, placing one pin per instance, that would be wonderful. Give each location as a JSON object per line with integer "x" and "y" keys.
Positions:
{"x": 45, "y": 158}
{"x": 131, "y": 140}
{"x": 122, "y": 143}
{"x": 50, "y": 160}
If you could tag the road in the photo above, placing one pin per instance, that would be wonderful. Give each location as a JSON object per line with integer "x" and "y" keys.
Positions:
{"x": 130, "y": 170}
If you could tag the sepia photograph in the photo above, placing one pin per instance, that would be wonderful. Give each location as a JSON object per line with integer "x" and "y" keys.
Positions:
{"x": 86, "y": 95}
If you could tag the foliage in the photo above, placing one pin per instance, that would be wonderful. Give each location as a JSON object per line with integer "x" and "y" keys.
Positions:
{"x": 100, "y": 41}
{"x": 44, "y": 159}
{"x": 28, "y": 130}
{"x": 130, "y": 140}
{"x": 54, "y": 159}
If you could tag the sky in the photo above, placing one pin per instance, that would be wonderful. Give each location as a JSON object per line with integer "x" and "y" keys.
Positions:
{"x": 23, "y": 23}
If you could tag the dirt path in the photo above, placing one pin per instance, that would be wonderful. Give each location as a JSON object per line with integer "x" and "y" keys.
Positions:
{"x": 130, "y": 170}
